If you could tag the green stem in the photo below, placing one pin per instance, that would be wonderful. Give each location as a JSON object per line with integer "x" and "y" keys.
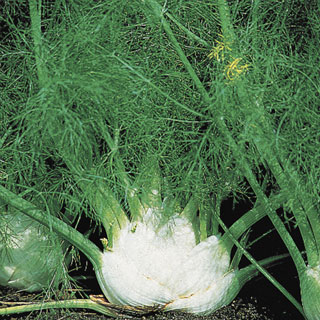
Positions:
{"x": 35, "y": 15}
{"x": 302, "y": 214}
{"x": 64, "y": 304}
{"x": 190, "y": 212}
{"x": 249, "y": 219}
{"x": 287, "y": 178}
{"x": 99, "y": 196}
{"x": 190, "y": 34}
{"x": 74, "y": 237}
{"x": 228, "y": 31}
{"x": 107, "y": 207}
{"x": 155, "y": 87}
{"x": 135, "y": 206}
{"x": 157, "y": 11}
{"x": 251, "y": 271}
{"x": 269, "y": 209}
{"x": 237, "y": 149}
{"x": 259, "y": 266}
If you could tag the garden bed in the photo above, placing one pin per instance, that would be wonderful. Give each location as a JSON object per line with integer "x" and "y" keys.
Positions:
{"x": 246, "y": 307}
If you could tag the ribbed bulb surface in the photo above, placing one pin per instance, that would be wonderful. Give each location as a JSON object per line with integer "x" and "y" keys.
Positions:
{"x": 151, "y": 266}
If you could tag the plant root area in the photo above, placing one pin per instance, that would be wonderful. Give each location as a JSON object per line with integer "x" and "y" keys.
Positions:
{"x": 247, "y": 308}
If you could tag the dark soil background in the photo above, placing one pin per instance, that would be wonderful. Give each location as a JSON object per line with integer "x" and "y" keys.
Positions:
{"x": 243, "y": 307}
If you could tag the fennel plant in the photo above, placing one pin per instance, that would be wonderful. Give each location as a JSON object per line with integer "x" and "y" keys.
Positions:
{"x": 293, "y": 171}
{"x": 30, "y": 259}
{"x": 117, "y": 83}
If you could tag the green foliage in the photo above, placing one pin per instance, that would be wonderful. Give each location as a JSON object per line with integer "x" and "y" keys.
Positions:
{"x": 91, "y": 100}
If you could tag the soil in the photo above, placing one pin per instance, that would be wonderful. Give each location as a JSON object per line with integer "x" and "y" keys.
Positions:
{"x": 248, "y": 308}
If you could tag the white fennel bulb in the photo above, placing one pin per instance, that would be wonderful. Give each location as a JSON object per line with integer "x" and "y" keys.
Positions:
{"x": 30, "y": 259}
{"x": 150, "y": 265}
{"x": 155, "y": 259}
{"x": 310, "y": 292}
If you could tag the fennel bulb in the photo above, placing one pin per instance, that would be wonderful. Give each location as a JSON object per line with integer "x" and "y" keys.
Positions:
{"x": 30, "y": 260}
{"x": 310, "y": 292}
{"x": 152, "y": 263}
{"x": 164, "y": 266}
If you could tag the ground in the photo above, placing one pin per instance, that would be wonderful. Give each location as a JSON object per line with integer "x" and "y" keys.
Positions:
{"x": 248, "y": 308}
